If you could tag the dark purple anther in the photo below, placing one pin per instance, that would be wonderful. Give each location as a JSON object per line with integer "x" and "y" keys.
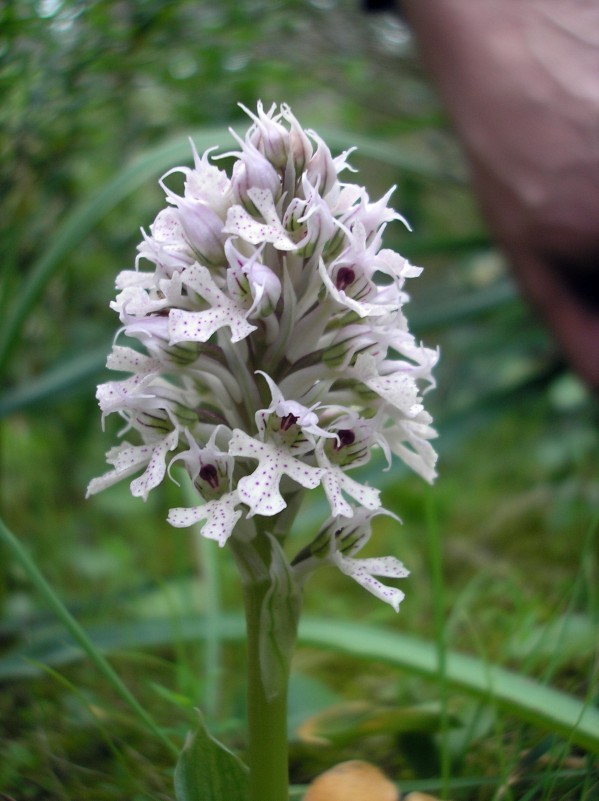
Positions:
{"x": 345, "y": 277}
{"x": 209, "y": 474}
{"x": 288, "y": 421}
{"x": 346, "y": 437}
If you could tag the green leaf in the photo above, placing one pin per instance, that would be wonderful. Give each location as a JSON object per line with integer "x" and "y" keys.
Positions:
{"x": 512, "y": 692}
{"x": 207, "y": 771}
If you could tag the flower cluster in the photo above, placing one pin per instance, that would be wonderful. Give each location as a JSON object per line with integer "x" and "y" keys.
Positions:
{"x": 272, "y": 354}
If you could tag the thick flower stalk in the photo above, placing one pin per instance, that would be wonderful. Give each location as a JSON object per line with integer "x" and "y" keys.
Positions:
{"x": 272, "y": 355}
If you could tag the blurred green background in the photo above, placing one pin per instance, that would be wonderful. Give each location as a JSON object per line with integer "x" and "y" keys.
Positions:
{"x": 97, "y": 100}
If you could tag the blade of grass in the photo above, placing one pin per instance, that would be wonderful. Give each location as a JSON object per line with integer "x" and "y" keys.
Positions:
{"x": 438, "y": 594}
{"x": 525, "y": 698}
{"x": 48, "y": 647}
{"x": 457, "y": 784}
{"x": 78, "y": 634}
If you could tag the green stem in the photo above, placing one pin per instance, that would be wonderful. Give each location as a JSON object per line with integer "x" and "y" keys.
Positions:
{"x": 267, "y": 716}
{"x": 271, "y": 600}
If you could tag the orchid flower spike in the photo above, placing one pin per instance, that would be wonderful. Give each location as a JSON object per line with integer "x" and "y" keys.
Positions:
{"x": 271, "y": 351}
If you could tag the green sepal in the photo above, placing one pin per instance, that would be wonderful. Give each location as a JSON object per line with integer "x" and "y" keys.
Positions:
{"x": 207, "y": 771}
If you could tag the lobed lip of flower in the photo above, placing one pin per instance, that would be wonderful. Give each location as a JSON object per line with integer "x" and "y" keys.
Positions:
{"x": 337, "y": 543}
{"x": 270, "y": 282}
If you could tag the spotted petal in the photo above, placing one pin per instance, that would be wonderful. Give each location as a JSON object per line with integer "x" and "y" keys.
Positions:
{"x": 128, "y": 459}
{"x": 189, "y": 326}
{"x": 335, "y": 482}
{"x": 260, "y": 490}
{"x": 156, "y": 468}
{"x": 128, "y": 360}
{"x": 220, "y": 516}
{"x": 241, "y": 223}
{"x": 364, "y": 571}
{"x": 397, "y": 388}
{"x": 364, "y": 308}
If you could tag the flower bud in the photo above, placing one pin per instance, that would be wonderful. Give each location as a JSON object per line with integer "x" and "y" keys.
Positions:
{"x": 166, "y": 245}
{"x": 322, "y": 170}
{"x": 254, "y": 171}
{"x": 300, "y": 147}
{"x": 203, "y": 230}
{"x": 265, "y": 288}
{"x": 269, "y": 136}
{"x": 209, "y": 184}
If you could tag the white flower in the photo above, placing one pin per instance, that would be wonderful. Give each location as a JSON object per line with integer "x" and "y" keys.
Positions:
{"x": 271, "y": 350}
{"x": 250, "y": 282}
{"x": 349, "y": 277}
{"x": 338, "y": 542}
{"x": 128, "y": 459}
{"x": 364, "y": 571}
{"x": 311, "y": 221}
{"x": 209, "y": 468}
{"x": 198, "y": 326}
{"x": 335, "y": 482}
{"x": 204, "y": 182}
{"x": 211, "y": 471}
{"x": 220, "y": 517}
{"x": 268, "y": 228}
{"x": 166, "y": 245}
{"x": 396, "y": 387}
{"x": 292, "y": 416}
{"x": 260, "y": 490}
{"x": 253, "y": 171}
{"x": 410, "y": 440}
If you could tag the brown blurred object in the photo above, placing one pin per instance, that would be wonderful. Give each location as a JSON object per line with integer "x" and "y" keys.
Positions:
{"x": 416, "y": 796}
{"x": 352, "y": 781}
{"x": 521, "y": 82}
